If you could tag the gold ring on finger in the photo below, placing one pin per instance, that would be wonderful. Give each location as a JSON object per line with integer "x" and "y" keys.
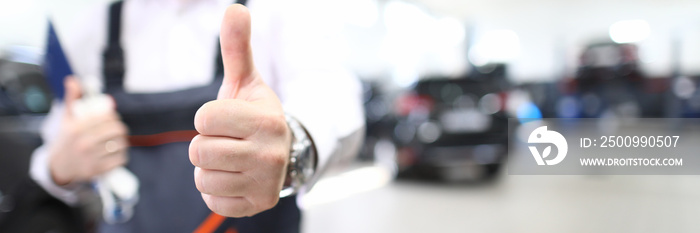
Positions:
{"x": 111, "y": 146}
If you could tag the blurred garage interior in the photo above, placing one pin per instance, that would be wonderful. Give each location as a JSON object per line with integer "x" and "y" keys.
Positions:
{"x": 441, "y": 80}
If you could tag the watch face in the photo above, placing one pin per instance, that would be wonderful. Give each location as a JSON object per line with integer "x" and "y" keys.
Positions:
{"x": 303, "y": 157}
{"x": 309, "y": 162}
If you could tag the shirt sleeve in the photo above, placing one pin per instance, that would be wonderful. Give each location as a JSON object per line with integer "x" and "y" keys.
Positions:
{"x": 39, "y": 164}
{"x": 312, "y": 81}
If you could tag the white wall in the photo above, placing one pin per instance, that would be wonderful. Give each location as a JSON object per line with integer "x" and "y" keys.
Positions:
{"x": 553, "y": 31}
{"x": 23, "y": 22}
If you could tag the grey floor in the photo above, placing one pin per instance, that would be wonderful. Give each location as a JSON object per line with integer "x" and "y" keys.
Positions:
{"x": 367, "y": 200}
{"x": 515, "y": 204}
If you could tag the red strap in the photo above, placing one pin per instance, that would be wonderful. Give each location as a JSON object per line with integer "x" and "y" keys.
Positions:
{"x": 162, "y": 138}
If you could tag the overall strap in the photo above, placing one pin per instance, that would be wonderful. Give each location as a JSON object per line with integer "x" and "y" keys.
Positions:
{"x": 113, "y": 57}
{"x": 113, "y": 65}
{"x": 144, "y": 113}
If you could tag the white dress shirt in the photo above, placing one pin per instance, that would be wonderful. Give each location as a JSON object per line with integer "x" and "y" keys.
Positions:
{"x": 171, "y": 45}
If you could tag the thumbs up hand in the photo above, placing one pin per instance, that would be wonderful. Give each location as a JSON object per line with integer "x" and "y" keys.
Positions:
{"x": 89, "y": 143}
{"x": 242, "y": 150}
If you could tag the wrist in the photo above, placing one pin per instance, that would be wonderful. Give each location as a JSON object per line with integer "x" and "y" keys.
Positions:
{"x": 58, "y": 177}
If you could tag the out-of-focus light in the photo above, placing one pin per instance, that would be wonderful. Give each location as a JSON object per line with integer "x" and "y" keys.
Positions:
{"x": 35, "y": 99}
{"x": 629, "y": 31}
{"x": 429, "y": 132}
{"x": 385, "y": 155}
{"x": 490, "y": 103}
{"x": 528, "y": 112}
{"x": 684, "y": 88}
{"x": 23, "y": 54}
{"x": 361, "y": 13}
{"x": 498, "y": 46}
{"x": 404, "y": 132}
{"x": 519, "y": 103}
{"x": 567, "y": 107}
{"x": 11, "y": 9}
{"x": 402, "y": 16}
{"x": 404, "y": 75}
{"x": 404, "y": 41}
{"x": 412, "y": 36}
{"x": 590, "y": 104}
{"x": 449, "y": 31}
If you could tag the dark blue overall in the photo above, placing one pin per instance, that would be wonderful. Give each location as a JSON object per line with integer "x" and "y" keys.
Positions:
{"x": 161, "y": 127}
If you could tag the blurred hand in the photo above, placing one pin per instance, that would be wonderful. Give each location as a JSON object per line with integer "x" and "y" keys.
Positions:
{"x": 87, "y": 146}
{"x": 242, "y": 151}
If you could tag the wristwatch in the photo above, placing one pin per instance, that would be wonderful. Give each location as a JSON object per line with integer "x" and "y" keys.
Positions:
{"x": 303, "y": 158}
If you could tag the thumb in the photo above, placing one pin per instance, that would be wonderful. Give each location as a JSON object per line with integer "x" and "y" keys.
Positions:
{"x": 235, "y": 51}
{"x": 72, "y": 94}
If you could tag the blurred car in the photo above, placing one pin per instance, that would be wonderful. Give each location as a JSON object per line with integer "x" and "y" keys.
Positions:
{"x": 609, "y": 82}
{"x": 25, "y": 98}
{"x": 452, "y": 129}
{"x": 24, "y": 101}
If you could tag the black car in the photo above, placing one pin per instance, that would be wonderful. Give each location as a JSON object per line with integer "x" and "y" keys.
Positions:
{"x": 610, "y": 81}
{"x": 452, "y": 129}
{"x": 24, "y": 206}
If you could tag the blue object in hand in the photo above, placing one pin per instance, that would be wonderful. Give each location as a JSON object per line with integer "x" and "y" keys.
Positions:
{"x": 56, "y": 66}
